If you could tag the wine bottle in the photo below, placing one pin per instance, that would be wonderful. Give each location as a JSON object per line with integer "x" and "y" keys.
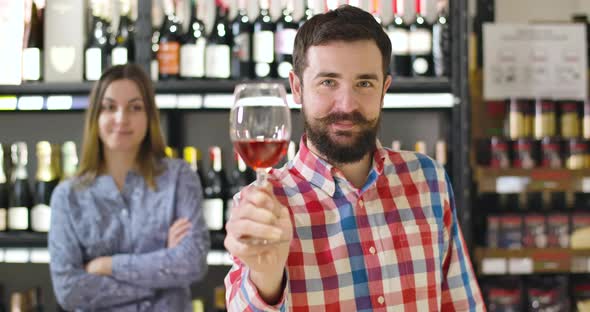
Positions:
{"x": 441, "y": 43}
{"x": 157, "y": 20}
{"x": 421, "y": 43}
{"x": 264, "y": 43}
{"x": 70, "y": 160}
{"x": 285, "y": 40}
{"x": 192, "y": 52}
{"x": 96, "y": 51}
{"x": 33, "y": 51}
{"x": 46, "y": 180}
{"x": 193, "y": 157}
{"x": 20, "y": 192}
{"x": 3, "y": 193}
{"x": 35, "y": 297}
{"x": 308, "y": 12}
{"x": 241, "y": 63}
{"x": 398, "y": 32}
{"x": 124, "y": 46}
{"x": 376, "y": 11}
{"x": 240, "y": 177}
{"x": 441, "y": 155}
{"x": 218, "y": 50}
{"x": 169, "y": 44}
{"x": 219, "y": 299}
{"x": 215, "y": 198}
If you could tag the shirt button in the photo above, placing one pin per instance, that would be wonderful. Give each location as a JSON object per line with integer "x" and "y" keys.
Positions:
{"x": 381, "y": 300}
{"x": 124, "y": 212}
{"x": 372, "y": 250}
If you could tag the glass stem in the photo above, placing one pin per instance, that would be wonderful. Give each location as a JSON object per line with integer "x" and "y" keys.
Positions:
{"x": 261, "y": 176}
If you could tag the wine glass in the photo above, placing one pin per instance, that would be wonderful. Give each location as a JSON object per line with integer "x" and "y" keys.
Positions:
{"x": 260, "y": 129}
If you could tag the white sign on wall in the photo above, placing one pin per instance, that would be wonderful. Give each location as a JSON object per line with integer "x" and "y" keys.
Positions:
{"x": 535, "y": 61}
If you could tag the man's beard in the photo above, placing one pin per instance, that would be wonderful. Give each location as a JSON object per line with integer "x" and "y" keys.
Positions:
{"x": 364, "y": 140}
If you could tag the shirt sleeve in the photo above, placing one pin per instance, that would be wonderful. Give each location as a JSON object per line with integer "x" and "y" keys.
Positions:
{"x": 242, "y": 295}
{"x": 240, "y": 292}
{"x": 172, "y": 267}
{"x": 73, "y": 286}
{"x": 460, "y": 290}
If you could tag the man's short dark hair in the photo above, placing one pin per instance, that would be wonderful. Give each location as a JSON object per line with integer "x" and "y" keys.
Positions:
{"x": 346, "y": 23}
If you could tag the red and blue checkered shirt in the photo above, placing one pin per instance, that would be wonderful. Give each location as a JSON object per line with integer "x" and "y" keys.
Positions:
{"x": 394, "y": 245}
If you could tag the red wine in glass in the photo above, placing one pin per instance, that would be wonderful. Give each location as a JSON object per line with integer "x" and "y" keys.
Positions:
{"x": 261, "y": 153}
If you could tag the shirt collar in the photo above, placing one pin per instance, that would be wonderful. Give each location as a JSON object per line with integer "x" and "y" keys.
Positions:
{"x": 321, "y": 173}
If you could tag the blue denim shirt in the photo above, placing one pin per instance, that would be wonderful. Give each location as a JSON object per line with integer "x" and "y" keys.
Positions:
{"x": 131, "y": 226}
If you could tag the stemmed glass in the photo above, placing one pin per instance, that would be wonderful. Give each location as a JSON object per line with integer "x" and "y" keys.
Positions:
{"x": 260, "y": 128}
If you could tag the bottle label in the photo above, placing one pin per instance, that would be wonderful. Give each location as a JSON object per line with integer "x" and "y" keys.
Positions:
{"x": 285, "y": 41}
{"x": 93, "y": 63}
{"x": 3, "y": 219}
{"x": 217, "y": 58}
{"x": 154, "y": 69}
{"x": 192, "y": 59}
{"x": 400, "y": 41}
{"x": 31, "y": 64}
{"x": 119, "y": 56}
{"x": 18, "y": 218}
{"x": 168, "y": 58}
{"x": 420, "y": 42}
{"x": 264, "y": 47}
{"x": 40, "y": 218}
{"x": 241, "y": 48}
{"x": 213, "y": 212}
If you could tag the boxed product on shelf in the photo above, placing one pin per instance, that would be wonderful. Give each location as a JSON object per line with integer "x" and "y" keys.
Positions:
{"x": 547, "y": 293}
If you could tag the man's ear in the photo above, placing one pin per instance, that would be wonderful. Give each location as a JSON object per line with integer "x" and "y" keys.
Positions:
{"x": 386, "y": 85}
{"x": 295, "y": 84}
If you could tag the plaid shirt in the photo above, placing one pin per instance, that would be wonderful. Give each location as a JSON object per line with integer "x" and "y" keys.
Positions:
{"x": 394, "y": 245}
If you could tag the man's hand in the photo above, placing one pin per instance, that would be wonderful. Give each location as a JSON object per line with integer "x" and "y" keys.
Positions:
{"x": 100, "y": 266}
{"x": 178, "y": 231}
{"x": 259, "y": 215}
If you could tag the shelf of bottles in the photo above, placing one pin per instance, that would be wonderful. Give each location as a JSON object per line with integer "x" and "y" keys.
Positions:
{"x": 196, "y": 60}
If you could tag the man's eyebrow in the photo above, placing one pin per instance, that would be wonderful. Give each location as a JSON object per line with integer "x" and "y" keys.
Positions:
{"x": 327, "y": 75}
{"x": 368, "y": 76}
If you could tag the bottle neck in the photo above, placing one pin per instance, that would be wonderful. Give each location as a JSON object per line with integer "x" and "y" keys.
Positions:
{"x": 2, "y": 174}
{"x": 420, "y": 8}
{"x": 215, "y": 157}
{"x": 398, "y": 7}
{"x": 264, "y": 6}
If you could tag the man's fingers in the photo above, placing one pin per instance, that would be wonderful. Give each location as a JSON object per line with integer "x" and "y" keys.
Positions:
{"x": 249, "y": 228}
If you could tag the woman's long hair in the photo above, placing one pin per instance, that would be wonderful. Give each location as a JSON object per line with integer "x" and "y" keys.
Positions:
{"x": 151, "y": 152}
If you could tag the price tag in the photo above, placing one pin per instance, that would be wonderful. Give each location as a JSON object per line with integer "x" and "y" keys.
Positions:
{"x": 218, "y": 101}
{"x": 493, "y": 266}
{"x": 166, "y": 100}
{"x": 30, "y": 103}
{"x": 1, "y": 255}
{"x": 59, "y": 102}
{"x": 190, "y": 101}
{"x": 8, "y": 102}
{"x": 520, "y": 266}
{"x": 408, "y": 100}
{"x": 40, "y": 255}
{"x": 16, "y": 255}
{"x": 511, "y": 184}
{"x": 586, "y": 185}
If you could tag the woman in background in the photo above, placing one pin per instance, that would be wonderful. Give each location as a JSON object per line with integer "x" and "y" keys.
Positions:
{"x": 127, "y": 233}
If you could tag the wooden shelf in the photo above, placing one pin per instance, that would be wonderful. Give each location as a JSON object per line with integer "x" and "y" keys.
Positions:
{"x": 491, "y": 180}
{"x": 22, "y": 239}
{"x": 203, "y": 86}
{"x": 492, "y": 261}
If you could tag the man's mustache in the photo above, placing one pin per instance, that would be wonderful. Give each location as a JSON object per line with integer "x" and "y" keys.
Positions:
{"x": 355, "y": 117}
